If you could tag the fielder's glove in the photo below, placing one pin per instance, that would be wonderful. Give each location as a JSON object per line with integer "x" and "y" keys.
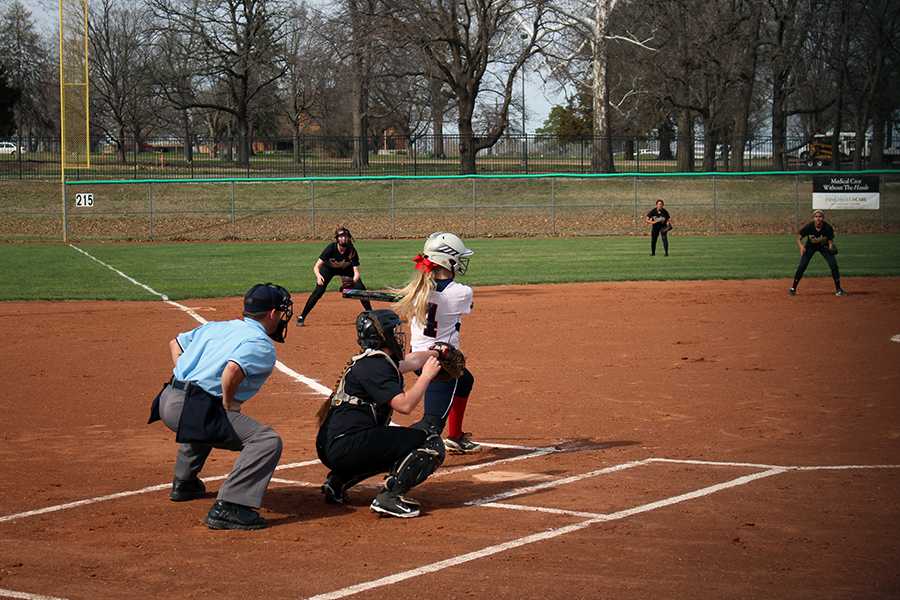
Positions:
{"x": 833, "y": 249}
{"x": 452, "y": 360}
{"x": 346, "y": 282}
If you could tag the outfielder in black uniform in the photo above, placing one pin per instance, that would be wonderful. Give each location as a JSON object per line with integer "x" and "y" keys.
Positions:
{"x": 338, "y": 258}
{"x": 819, "y": 238}
{"x": 662, "y": 224}
{"x": 355, "y": 439}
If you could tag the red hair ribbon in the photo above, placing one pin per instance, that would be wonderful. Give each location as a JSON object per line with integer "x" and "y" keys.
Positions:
{"x": 423, "y": 264}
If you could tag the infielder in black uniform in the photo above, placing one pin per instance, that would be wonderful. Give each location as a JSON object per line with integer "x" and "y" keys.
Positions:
{"x": 355, "y": 439}
{"x": 819, "y": 238}
{"x": 662, "y": 224}
{"x": 338, "y": 258}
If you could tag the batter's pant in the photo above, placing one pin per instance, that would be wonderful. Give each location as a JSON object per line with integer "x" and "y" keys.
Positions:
{"x": 360, "y": 455}
{"x": 259, "y": 454}
{"x": 655, "y": 233}
{"x": 808, "y": 253}
{"x": 439, "y": 397}
{"x": 327, "y": 275}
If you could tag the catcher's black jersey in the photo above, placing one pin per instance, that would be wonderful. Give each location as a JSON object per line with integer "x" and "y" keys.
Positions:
{"x": 340, "y": 261}
{"x": 817, "y": 236}
{"x": 659, "y": 212}
{"x": 372, "y": 379}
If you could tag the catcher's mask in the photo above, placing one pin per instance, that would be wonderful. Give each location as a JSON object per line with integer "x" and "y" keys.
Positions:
{"x": 262, "y": 298}
{"x": 377, "y": 329}
{"x": 448, "y": 251}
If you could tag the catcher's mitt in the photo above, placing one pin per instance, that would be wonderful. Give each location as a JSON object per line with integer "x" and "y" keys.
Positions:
{"x": 452, "y": 360}
{"x": 346, "y": 282}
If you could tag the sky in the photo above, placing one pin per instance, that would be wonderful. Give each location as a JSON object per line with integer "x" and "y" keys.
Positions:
{"x": 538, "y": 98}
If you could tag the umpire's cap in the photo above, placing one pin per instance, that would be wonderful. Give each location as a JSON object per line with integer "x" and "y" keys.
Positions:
{"x": 263, "y": 297}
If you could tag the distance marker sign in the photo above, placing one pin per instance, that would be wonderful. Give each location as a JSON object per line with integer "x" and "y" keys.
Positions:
{"x": 851, "y": 192}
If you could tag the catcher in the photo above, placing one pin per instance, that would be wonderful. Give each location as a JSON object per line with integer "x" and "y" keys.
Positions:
{"x": 338, "y": 258}
{"x": 435, "y": 302}
{"x": 819, "y": 238}
{"x": 355, "y": 439}
{"x": 661, "y": 221}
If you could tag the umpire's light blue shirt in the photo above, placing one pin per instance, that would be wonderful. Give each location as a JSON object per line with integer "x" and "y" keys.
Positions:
{"x": 208, "y": 348}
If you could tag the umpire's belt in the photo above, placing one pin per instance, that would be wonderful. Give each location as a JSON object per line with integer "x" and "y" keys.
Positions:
{"x": 180, "y": 385}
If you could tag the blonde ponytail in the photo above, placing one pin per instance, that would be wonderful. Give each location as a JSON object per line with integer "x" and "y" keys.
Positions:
{"x": 413, "y": 302}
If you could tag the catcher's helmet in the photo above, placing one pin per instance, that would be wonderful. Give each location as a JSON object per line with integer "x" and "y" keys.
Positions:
{"x": 377, "y": 329}
{"x": 447, "y": 250}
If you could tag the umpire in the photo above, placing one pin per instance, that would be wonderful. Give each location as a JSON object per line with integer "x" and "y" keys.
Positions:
{"x": 819, "y": 238}
{"x": 219, "y": 366}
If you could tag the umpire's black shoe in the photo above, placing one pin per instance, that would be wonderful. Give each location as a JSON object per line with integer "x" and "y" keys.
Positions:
{"x": 394, "y": 505}
{"x": 228, "y": 515}
{"x": 333, "y": 490}
{"x": 186, "y": 489}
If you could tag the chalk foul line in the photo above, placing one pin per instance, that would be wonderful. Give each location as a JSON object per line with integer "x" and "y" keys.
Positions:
{"x": 307, "y": 381}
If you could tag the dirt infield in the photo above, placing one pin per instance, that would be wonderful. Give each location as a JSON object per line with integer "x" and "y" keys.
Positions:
{"x": 588, "y": 394}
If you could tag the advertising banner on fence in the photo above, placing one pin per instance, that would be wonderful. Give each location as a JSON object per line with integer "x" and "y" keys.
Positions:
{"x": 846, "y": 192}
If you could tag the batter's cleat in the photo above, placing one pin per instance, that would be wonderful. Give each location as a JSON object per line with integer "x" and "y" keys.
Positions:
{"x": 333, "y": 490}
{"x": 840, "y": 292}
{"x": 186, "y": 489}
{"x": 300, "y": 320}
{"x": 394, "y": 505}
{"x": 228, "y": 515}
{"x": 792, "y": 292}
{"x": 462, "y": 445}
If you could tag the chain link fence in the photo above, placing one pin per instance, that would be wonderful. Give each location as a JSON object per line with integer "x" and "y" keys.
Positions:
{"x": 479, "y": 206}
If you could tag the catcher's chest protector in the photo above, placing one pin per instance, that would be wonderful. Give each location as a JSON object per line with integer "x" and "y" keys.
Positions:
{"x": 341, "y": 397}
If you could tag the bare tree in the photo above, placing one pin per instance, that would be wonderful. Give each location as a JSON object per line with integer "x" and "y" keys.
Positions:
{"x": 238, "y": 43}
{"x": 120, "y": 57}
{"x": 474, "y": 48}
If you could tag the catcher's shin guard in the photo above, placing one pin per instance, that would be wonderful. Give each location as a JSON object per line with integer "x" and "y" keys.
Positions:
{"x": 416, "y": 466}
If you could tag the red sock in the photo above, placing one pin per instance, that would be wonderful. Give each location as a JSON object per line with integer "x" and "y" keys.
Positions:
{"x": 455, "y": 418}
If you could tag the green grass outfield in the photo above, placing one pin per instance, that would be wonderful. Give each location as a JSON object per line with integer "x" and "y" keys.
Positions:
{"x": 59, "y": 272}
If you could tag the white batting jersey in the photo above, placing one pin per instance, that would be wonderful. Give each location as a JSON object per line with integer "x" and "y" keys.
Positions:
{"x": 445, "y": 311}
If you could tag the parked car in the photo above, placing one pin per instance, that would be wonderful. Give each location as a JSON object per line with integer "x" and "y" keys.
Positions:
{"x": 8, "y": 148}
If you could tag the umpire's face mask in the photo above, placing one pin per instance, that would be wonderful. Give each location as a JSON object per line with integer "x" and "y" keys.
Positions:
{"x": 280, "y": 333}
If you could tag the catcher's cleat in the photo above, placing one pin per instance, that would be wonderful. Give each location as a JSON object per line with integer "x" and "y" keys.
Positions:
{"x": 840, "y": 292}
{"x": 462, "y": 445}
{"x": 792, "y": 291}
{"x": 394, "y": 505}
{"x": 333, "y": 490}
{"x": 228, "y": 515}
{"x": 300, "y": 320}
{"x": 186, "y": 489}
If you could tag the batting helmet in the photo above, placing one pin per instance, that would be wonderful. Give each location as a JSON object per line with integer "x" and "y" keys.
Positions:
{"x": 447, "y": 250}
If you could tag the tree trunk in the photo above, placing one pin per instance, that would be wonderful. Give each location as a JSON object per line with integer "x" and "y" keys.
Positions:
{"x": 120, "y": 146}
{"x": 466, "y": 136}
{"x": 745, "y": 98}
{"x": 666, "y": 134}
{"x": 876, "y": 154}
{"x": 840, "y": 60}
{"x": 710, "y": 141}
{"x": 685, "y": 149}
{"x": 188, "y": 137}
{"x": 779, "y": 122}
{"x": 438, "y": 107}
{"x": 601, "y": 146}
{"x": 295, "y": 144}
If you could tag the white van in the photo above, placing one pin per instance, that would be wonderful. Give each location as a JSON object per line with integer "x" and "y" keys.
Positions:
{"x": 8, "y": 148}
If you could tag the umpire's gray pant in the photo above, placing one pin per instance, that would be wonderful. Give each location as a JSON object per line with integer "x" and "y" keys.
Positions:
{"x": 249, "y": 478}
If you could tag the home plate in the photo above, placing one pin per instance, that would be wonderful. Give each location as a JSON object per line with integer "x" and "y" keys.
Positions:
{"x": 511, "y": 476}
